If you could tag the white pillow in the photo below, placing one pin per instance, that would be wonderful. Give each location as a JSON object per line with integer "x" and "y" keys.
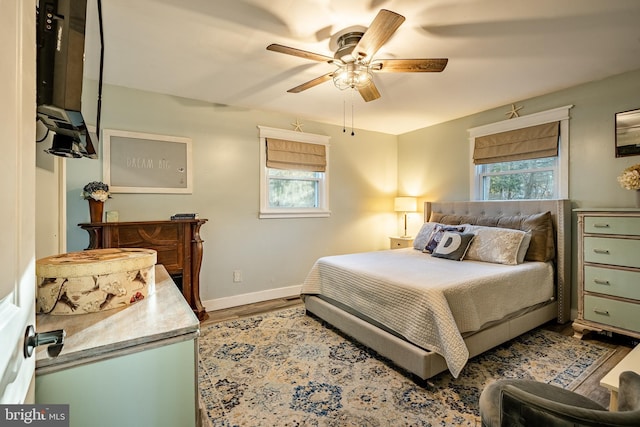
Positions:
{"x": 498, "y": 245}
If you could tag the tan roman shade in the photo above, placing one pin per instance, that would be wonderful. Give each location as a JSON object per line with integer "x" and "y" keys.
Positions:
{"x": 283, "y": 154}
{"x": 521, "y": 144}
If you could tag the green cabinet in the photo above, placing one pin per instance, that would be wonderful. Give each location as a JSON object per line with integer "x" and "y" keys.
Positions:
{"x": 608, "y": 271}
{"x": 152, "y": 388}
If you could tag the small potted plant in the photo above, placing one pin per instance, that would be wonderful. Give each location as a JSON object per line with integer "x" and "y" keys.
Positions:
{"x": 630, "y": 179}
{"x": 96, "y": 193}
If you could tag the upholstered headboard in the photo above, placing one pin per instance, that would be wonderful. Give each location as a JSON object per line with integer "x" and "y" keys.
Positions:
{"x": 561, "y": 217}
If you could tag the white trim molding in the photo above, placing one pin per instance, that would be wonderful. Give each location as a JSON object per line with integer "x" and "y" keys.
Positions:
{"x": 254, "y": 297}
{"x": 322, "y": 211}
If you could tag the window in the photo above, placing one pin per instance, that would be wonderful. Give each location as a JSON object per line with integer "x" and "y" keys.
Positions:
{"x": 519, "y": 180}
{"x": 522, "y": 158}
{"x": 294, "y": 174}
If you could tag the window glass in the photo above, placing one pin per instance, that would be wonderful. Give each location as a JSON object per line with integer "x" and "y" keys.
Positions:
{"x": 293, "y": 189}
{"x": 519, "y": 180}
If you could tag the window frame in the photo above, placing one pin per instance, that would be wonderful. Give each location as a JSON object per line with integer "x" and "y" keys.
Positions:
{"x": 560, "y": 114}
{"x": 323, "y": 184}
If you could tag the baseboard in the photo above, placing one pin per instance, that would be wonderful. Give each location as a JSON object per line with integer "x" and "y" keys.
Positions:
{"x": 252, "y": 298}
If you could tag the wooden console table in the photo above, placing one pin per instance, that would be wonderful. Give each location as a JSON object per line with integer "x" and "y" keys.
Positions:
{"x": 177, "y": 242}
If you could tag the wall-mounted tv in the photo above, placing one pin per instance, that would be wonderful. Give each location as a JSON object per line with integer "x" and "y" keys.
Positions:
{"x": 64, "y": 49}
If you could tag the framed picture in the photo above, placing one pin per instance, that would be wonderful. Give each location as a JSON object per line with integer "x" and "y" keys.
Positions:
{"x": 628, "y": 133}
{"x": 146, "y": 163}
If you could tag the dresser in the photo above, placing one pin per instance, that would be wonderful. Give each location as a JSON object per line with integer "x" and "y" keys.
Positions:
{"x": 177, "y": 243}
{"x": 608, "y": 271}
{"x": 129, "y": 366}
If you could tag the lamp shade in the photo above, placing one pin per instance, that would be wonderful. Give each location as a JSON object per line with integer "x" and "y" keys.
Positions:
{"x": 406, "y": 204}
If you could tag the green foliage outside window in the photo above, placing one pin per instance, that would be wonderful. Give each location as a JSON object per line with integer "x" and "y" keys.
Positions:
{"x": 293, "y": 189}
{"x": 519, "y": 180}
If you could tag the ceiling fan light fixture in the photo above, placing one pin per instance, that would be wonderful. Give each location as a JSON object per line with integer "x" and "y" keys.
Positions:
{"x": 352, "y": 76}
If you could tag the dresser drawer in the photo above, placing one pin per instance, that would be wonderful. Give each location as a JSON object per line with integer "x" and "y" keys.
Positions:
{"x": 620, "y": 314}
{"x": 612, "y": 251}
{"x": 608, "y": 281}
{"x": 629, "y": 226}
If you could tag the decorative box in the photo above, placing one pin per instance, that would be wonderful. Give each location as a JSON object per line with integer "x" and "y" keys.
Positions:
{"x": 94, "y": 280}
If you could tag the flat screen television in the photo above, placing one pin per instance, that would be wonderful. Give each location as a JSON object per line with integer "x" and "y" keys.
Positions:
{"x": 64, "y": 48}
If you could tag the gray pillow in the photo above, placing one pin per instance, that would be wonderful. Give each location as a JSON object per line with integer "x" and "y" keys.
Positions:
{"x": 422, "y": 238}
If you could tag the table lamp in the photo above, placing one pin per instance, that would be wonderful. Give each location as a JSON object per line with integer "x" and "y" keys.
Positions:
{"x": 404, "y": 205}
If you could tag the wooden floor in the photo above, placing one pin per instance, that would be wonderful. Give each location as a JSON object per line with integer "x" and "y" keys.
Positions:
{"x": 590, "y": 387}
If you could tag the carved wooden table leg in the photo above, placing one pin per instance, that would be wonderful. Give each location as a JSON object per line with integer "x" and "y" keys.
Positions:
{"x": 196, "y": 263}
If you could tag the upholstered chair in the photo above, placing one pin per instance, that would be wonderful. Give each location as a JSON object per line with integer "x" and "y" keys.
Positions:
{"x": 516, "y": 403}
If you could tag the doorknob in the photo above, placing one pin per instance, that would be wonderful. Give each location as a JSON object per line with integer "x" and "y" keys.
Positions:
{"x": 55, "y": 339}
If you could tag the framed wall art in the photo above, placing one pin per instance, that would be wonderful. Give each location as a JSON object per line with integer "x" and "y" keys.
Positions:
{"x": 628, "y": 133}
{"x": 146, "y": 163}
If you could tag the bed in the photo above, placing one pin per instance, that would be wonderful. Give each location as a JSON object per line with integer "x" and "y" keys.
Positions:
{"x": 379, "y": 298}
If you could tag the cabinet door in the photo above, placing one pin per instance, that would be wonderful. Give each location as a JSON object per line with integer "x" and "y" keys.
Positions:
{"x": 155, "y": 387}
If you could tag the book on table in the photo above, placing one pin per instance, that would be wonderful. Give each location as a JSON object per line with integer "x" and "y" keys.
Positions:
{"x": 184, "y": 216}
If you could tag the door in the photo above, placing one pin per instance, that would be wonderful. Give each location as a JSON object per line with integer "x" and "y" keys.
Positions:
{"x": 17, "y": 188}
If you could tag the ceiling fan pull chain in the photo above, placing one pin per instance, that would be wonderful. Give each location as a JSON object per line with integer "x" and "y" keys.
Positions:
{"x": 352, "y": 92}
{"x": 344, "y": 115}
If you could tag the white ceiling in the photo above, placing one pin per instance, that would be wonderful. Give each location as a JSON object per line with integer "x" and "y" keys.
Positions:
{"x": 500, "y": 52}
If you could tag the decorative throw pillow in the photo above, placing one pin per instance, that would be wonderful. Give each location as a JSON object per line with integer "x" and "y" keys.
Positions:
{"x": 436, "y": 236}
{"x": 496, "y": 245}
{"x": 524, "y": 246}
{"x": 453, "y": 245}
{"x": 422, "y": 238}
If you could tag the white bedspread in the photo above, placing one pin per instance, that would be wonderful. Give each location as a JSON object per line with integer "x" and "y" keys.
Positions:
{"x": 430, "y": 301}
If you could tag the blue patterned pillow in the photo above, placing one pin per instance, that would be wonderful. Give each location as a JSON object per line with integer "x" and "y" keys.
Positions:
{"x": 453, "y": 245}
{"x": 436, "y": 236}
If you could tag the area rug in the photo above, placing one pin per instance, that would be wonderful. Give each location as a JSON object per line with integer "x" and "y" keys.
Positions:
{"x": 286, "y": 368}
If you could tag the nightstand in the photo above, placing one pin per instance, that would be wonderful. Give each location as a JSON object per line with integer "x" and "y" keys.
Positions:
{"x": 401, "y": 242}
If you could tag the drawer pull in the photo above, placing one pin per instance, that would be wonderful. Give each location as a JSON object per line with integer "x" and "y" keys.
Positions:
{"x": 601, "y": 225}
{"x": 601, "y": 251}
{"x": 603, "y": 312}
{"x": 601, "y": 282}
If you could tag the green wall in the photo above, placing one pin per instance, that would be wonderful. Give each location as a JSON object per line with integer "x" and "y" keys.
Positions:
{"x": 272, "y": 253}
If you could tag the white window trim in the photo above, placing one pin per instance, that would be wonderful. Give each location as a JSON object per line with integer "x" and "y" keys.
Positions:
{"x": 323, "y": 198}
{"x": 560, "y": 114}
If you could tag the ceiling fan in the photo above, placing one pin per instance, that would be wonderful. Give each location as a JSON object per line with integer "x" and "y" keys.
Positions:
{"x": 354, "y": 58}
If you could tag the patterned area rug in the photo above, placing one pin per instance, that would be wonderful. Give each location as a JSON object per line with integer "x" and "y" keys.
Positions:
{"x": 287, "y": 369}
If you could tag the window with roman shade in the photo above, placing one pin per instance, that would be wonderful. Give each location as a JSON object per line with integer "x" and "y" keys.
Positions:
{"x": 294, "y": 178}
{"x": 521, "y": 158}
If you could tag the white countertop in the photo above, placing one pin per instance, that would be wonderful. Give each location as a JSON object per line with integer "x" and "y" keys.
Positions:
{"x": 163, "y": 317}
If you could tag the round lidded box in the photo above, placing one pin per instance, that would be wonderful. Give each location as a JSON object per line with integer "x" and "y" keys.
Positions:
{"x": 94, "y": 280}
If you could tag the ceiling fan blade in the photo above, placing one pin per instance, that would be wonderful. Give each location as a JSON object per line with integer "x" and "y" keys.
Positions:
{"x": 299, "y": 52}
{"x": 381, "y": 29}
{"x": 409, "y": 65}
{"x": 311, "y": 83}
{"x": 369, "y": 92}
